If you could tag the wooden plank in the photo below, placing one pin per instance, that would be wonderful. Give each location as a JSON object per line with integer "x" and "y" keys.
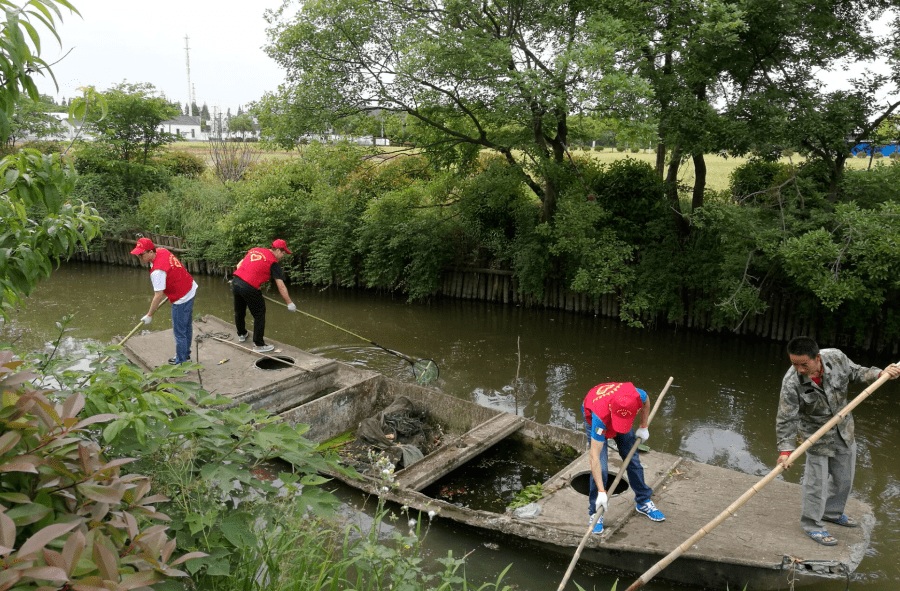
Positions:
{"x": 450, "y": 456}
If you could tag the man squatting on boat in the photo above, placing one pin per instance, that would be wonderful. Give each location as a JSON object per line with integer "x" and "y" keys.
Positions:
{"x": 609, "y": 412}
{"x": 812, "y": 392}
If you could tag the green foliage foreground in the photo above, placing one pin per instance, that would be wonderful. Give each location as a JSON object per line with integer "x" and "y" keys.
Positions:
{"x": 232, "y": 499}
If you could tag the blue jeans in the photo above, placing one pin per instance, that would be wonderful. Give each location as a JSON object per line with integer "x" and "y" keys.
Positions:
{"x": 635, "y": 472}
{"x": 182, "y": 327}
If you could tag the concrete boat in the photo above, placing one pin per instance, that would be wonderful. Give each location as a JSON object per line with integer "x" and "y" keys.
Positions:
{"x": 760, "y": 547}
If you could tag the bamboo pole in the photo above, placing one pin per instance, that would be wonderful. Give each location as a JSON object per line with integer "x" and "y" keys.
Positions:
{"x": 779, "y": 468}
{"x": 128, "y": 336}
{"x": 612, "y": 487}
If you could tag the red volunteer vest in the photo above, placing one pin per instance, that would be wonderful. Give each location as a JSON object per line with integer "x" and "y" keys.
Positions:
{"x": 255, "y": 268}
{"x": 597, "y": 403}
{"x": 178, "y": 280}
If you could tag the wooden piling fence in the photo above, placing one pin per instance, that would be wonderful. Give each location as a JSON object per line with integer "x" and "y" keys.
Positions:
{"x": 778, "y": 323}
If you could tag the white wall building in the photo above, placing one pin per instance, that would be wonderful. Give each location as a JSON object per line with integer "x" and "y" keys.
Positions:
{"x": 186, "y": 126}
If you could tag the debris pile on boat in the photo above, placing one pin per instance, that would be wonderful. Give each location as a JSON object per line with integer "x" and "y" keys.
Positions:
{"x": 400, "y": 432}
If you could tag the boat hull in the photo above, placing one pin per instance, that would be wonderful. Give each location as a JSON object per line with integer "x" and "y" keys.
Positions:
{"x": 760, "y": 547}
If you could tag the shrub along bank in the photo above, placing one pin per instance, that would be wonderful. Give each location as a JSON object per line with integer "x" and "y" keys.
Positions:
{"x": 397, "y": 224}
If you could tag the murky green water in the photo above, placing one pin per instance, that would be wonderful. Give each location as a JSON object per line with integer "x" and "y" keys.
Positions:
{"x": 720, "y": 409}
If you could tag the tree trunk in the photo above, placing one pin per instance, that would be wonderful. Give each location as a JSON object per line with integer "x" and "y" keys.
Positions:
{"x": 837, "y": 171}
{"x": 661, "y": 160}
{"x": 672, "y": 180}
{"x": 548, "y": 204}
{"x": 699, "y": 181}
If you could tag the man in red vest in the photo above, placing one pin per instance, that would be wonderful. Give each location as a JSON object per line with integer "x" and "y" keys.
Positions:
{"x": 170, "y": 280}
{"x": 609, "y": 412}
{"x": 257, "y": 267}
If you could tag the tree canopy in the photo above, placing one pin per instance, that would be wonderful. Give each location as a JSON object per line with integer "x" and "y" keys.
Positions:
{"x": 38, "y": 223}
{"x": 131, "y": 128}
{"x": 512, "y": 76}
{"x": 503, "y": 75}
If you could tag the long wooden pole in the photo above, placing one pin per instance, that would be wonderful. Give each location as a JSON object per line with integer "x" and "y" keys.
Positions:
{"x": 131, "y": 334}
{"x": 779, "y": 468}
{"x": 612, "y": 487}
{"x": 371, "y": 342}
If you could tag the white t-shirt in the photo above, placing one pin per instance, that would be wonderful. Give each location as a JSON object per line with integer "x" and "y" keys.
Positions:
{"x": 158, "y": 279}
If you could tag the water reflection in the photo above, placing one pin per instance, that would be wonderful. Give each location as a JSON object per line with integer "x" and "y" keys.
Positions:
{"x": 719, "y": 410}
{"x": 722, "y": 447}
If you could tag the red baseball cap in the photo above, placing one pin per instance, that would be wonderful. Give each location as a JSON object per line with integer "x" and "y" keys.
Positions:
{"x": 282, "y": 245}
{"x": 143, "y": 245}
{"x": 624, "y": 406}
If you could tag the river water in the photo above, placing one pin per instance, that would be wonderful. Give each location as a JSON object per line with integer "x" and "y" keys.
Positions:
{"x": 720, "y": 409}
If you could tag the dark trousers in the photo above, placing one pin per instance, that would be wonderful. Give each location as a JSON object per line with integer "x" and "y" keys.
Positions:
{"x": 247, "y": 296}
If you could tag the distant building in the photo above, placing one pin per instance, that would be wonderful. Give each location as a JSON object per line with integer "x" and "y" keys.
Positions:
{"x": 186, "y": 126}
{"x": 68, "y": 133}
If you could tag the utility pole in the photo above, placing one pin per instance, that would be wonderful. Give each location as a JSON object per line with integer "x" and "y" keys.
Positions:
{"x": 187, "y": 61}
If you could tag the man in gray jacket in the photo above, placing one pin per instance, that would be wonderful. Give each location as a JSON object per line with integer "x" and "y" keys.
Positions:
{"x": 812, "y": 392}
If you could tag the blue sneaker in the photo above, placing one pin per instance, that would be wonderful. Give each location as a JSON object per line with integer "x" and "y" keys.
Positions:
{"x": 650, "y": 510}
{"x": 598, "y": 528}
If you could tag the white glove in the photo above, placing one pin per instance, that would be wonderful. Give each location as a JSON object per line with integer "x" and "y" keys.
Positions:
{"x": 292, "y": 307}
{"x": 146, "y": 319}
{"x": 602, "y": 501}
{"x": 643, "y": 434}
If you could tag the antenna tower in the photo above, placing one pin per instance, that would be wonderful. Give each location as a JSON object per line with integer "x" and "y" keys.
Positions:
{"x": 187, "y": 61}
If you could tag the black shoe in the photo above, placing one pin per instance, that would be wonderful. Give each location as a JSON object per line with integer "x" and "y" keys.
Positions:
{"x": 173, "y": 362}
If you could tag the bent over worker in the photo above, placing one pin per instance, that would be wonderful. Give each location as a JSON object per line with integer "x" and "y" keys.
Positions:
{"x": 812, "y": 392}
{"x": 609, "y": 412}
{"x": 257, "y": 267}
{"x": 170, "y": 280}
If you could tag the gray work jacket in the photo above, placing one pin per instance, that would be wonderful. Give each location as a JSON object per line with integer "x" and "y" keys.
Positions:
{"x": 805, "y": 406}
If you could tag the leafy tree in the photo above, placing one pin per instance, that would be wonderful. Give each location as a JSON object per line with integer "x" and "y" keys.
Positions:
{"x": 241, "y": 124}
{"x": 131, "y": 129}
{"x": 504, "y": 76}
{"x": 395, "y": 127}
{"x": 204, "y": 113}
{"x": 685, "y": 48}
{"x": 727, "y": 75}
{"x": 285, "y": 123}
{"x": 778, "y": 98}
{"x": 38, "y": 224}
{"x": 194, "y": 110}
{"x": 829, "y": 125}
{"x": 31, "y": 118}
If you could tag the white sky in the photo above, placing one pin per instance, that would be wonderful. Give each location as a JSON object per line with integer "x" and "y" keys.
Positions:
{"x": 143, "y": 41}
